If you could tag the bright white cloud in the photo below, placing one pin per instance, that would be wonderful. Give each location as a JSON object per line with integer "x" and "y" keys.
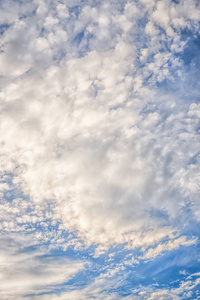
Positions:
{"x": 80, "y": 135}
{"x": 84, "y": 125}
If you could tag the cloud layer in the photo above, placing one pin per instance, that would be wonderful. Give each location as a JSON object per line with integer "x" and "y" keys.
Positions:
{"x": 98, "y": 130}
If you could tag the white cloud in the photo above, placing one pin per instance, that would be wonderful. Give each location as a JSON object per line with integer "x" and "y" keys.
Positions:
{"x": 83, "y": 124}
{"x": 168, "y": 246}
{"x": 26, "y": 271}
{"x": 99, "y": 288}
{"x": 185, "y": 290}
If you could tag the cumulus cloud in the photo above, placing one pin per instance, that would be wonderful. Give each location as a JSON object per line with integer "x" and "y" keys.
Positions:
{"x": 81, "y": 136}
{"x": 89, "y": 127}
{"x": 106, "y": 166}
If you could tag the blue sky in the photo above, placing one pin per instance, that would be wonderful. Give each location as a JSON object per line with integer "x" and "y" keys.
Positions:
{"x": 100, "y": 149}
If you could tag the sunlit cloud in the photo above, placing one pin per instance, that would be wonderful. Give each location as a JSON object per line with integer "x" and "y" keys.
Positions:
{"x": 99, "y": 134}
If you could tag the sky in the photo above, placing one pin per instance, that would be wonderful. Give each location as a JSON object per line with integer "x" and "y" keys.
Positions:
{"x": 99, "y": 149}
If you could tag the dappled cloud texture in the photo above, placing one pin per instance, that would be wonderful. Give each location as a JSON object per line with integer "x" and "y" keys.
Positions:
{"x": 97, "y": 120}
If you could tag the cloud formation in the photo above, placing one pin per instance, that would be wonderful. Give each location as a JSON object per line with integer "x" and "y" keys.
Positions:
{"x": 98, "y": 131}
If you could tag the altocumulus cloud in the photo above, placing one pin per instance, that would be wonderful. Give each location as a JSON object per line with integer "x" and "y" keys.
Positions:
{"x": 100, "y": 157}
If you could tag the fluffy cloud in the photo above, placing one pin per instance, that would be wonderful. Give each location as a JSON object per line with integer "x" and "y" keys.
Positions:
{"x": 89, "y": 125}
{"x": 79, "y": 134}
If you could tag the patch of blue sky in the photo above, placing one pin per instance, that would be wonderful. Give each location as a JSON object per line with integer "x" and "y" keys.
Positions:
{"x": 75, "y": 7}
{"x": 194, "y": 158}
{"x": 163, "y": 271}
{"x": 82, "y": 41}
{"x": 165, "y": 268}
{"x": 191, "y": 51}
{"x": 83, "y": 278}
{"x": 3, "y": 28}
